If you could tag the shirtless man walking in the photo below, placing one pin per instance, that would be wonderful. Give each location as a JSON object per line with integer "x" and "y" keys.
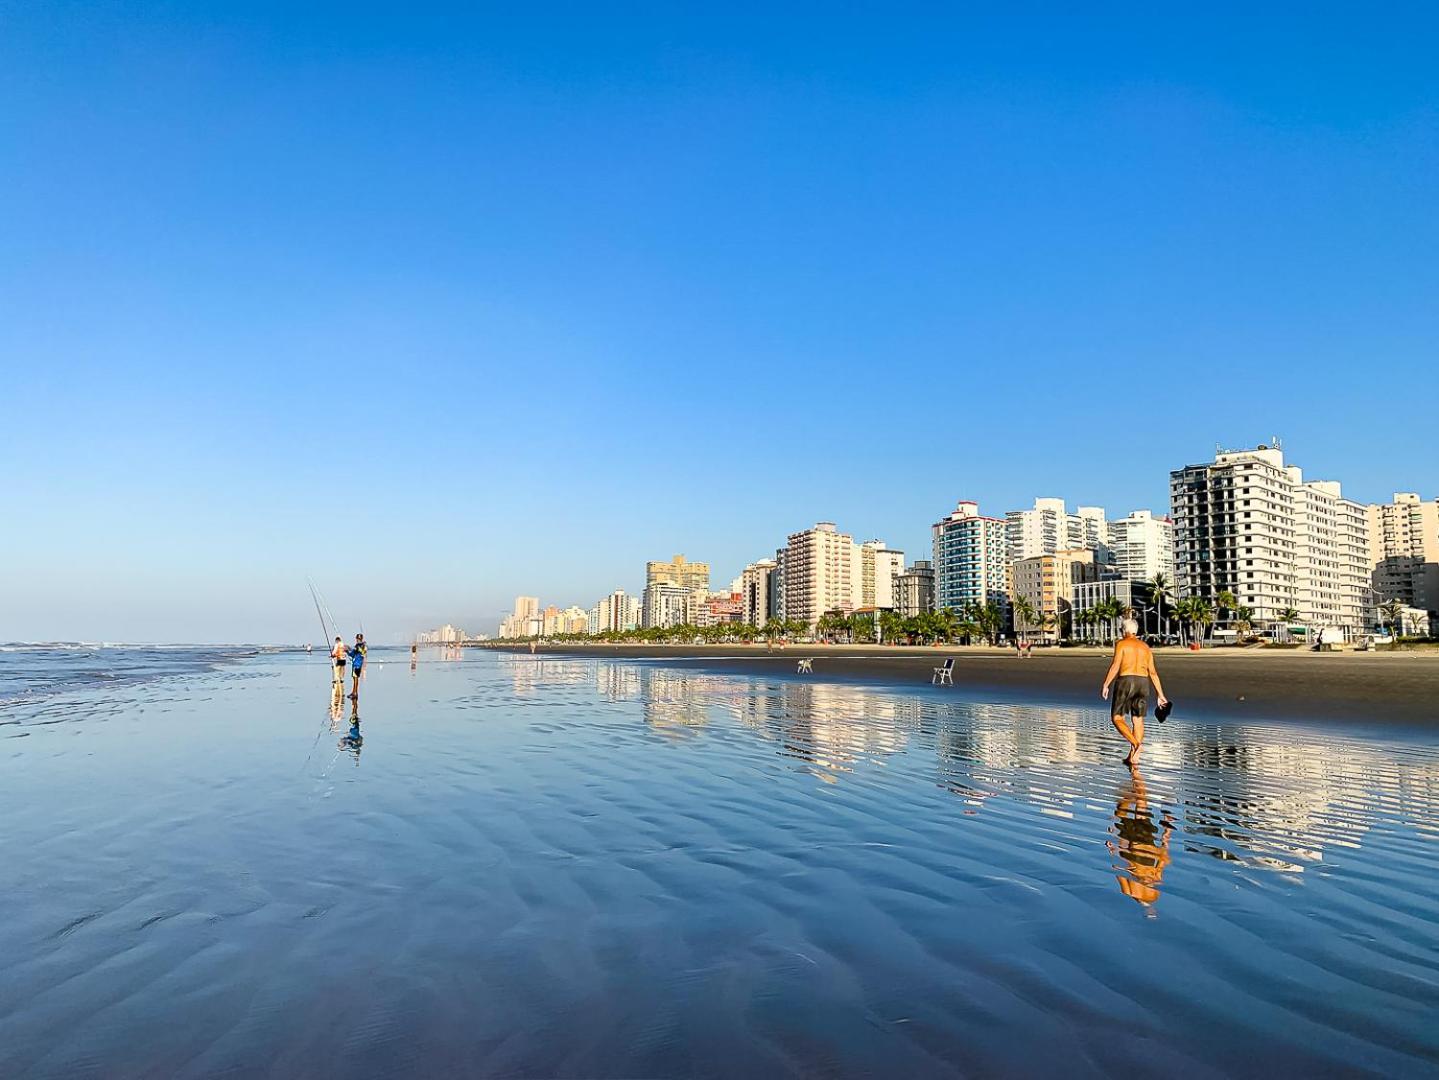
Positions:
{"x": 1134, "y": 670}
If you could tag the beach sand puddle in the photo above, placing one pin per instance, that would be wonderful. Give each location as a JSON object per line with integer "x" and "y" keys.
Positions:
{"x": 509, "y": 865}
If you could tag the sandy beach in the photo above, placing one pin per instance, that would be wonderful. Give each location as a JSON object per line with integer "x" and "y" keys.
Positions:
{"x": 1359, "y": 688}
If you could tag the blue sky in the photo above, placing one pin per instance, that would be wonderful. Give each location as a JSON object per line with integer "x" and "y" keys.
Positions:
{"x": 440, "y": 304}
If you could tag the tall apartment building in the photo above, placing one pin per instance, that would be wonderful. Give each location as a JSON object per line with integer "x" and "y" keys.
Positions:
{"x": 678, "y": 571}
{"x": 1249, "y": 524}
{"x": 1047, "y": 582}
{"x": 971, "y": 558}
{"x": 525, "y": 620}
{"x": 660, "y": 606}
{"x": 1404, "y": 551}
{"x": 1331, "y": 556}
{"x": 1141, "y": 546}
{"x": 873, "y": 574}
{"x": 617, "y": 612}
{"x": 914, "y": 589}
{"x": 1048, "y": 527}
{"x": 669, "y": 605}
{"x": 758, "y": 593}
{"x": 818, "y": 573}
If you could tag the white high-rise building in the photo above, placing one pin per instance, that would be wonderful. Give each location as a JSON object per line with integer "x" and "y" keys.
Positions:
{"x": 872, "y": 577}
{"x": 1331, "y": 556}
{"x": 1142, "y": 546}
{"x": 617, "y": 612}
{"x": 818, "y": 573}
{"x": 669, "y": 605}
{"x": 1248, "y": 524}
{"x": 1048, "y": 527}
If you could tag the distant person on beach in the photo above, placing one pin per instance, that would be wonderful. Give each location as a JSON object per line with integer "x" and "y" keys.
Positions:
{"x": 1130, "y": 673}
{"x": 339, "y": 656}
{"x": 357, "y": 663}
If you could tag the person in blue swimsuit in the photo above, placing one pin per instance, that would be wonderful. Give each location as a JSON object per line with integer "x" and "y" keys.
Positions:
{"x": 357, "y": 664}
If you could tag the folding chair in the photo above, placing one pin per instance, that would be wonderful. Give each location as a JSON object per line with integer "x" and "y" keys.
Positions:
{"x": 806, "y": 667}
{"x": 944, "y": 674}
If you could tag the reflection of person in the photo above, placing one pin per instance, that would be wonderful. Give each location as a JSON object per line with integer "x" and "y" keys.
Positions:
{"x": 353, "y": 740}
{"x": 1131, "y": 672}
{"x": 1139, "y": 843}
{"x": 357, "y": 663}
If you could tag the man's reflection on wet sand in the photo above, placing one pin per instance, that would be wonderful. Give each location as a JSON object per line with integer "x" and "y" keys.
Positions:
{"x": 1139, "y": 842}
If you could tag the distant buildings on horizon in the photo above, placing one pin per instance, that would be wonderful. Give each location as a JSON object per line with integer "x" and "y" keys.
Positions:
{"x": 1289, "y": 551}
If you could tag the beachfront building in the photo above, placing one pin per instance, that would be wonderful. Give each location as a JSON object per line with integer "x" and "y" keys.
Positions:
{"x": 1045, "y": 584}
{"x": 970, "y": 559}
{"x": 1404, "y": 552}
{"x": 718, "y": 608}
{"x": 1249, "y": 524}
{"x": 678, "y": 571}
{"x": 758, "y": 591}
{"x": 873, "y": 575}
{"x": 668, "y": 605}
{"x": 617, "y": 612}
{"x": 1088, "y": 595}
{"x": 522, "y": 621}
{"x": 672, "y": 591}
{"x": 1048, "y": 527}
{"x": 570, "y": 620}
{"x": 1141, "y": 546}
{"x": 817, "y": 573}
{"x": 1331, "y": 557}
{"x": 914, "y": 589}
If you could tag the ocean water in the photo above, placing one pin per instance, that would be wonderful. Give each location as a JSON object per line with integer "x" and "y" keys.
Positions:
{"x": 530, "y": 866}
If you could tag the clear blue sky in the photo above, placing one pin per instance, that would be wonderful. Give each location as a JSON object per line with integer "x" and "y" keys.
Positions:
{"x": 441, "y": 304}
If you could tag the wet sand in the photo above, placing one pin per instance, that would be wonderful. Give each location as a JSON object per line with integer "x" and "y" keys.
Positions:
{"x": 1358, "y": 688}
{"x": 580, "y": 867}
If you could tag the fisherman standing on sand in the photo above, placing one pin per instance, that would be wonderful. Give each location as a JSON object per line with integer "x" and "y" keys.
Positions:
{"x": 357, "y": 664}
{"x": 1134, "y": 669}
{"x": 338, "y": 655}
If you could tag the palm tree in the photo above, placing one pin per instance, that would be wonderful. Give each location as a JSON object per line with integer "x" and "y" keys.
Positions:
{"x": 1205, "y": 612}
{"x": 1161, "y": 593}
{"x": 1224, "y": 601}
{"x": 891, "y": 626}
{"x": 1288, "y": 616}
{"x": 1243, "y": 620}
{"x": 1393, "y": 610}
{"x": 1023, "y": 609}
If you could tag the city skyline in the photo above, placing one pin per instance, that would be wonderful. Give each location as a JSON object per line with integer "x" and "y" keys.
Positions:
{"x": 402, "y": 302}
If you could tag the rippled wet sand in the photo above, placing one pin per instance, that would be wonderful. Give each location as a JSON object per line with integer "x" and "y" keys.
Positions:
{"x": 586, "y": 867}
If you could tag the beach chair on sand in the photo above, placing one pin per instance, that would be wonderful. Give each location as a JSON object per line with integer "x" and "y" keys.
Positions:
{"x": 806, "y": 667}
{"x": 944, "y": 674}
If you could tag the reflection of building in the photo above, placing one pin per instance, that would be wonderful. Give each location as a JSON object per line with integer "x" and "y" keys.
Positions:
{"x": 1047, "y": 582}
{"x": 970, "y": 559}
{"x": 1404, "y": 551}
{"x": 914, "y": 589}
{"x": 1248, "y": 524}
